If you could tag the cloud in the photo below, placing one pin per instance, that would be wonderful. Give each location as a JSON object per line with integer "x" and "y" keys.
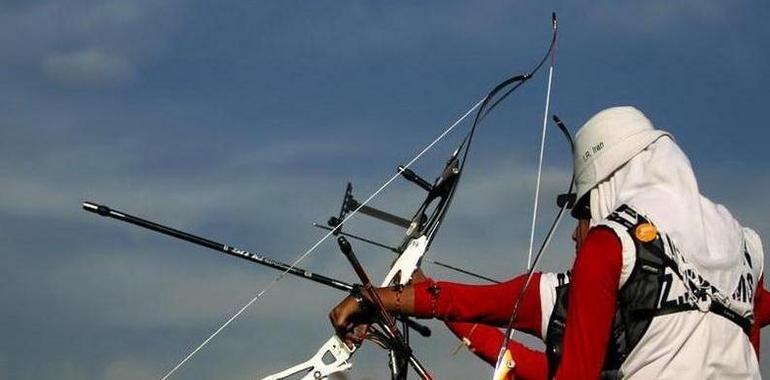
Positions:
{"x": 89, "y": 67}
{"x": 206, "y": 148}
{"x": 656, "y": 17}
{"x": 65, "y": 370}
{"x": 84, "y": 42}
{"x": 128, "y": 369}
{"x": 127, "y": 280}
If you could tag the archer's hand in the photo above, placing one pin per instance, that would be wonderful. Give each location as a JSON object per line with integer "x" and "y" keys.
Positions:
{"x": 351, "y": 320}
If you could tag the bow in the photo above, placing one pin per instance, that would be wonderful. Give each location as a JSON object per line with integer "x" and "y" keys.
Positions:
{"x": 421, "y": 230}
{"x": 505, "y": 361}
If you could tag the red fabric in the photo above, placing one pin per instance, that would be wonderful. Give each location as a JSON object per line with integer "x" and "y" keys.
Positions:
{"x": 762, "y": 304}
{"x": 487, "y": 304}
{"x": 593, "y": 294}
{"x": 485, "y": 343}
{"x": 592, "y": 297}
{"x": 761, "y": 313}
{"x": 533, "y": 365}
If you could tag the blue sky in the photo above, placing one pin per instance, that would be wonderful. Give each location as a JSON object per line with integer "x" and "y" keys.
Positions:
{"x": 242, "y": 121}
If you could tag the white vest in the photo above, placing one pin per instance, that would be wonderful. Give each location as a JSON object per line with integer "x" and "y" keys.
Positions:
{"x": 684, "y": 345}
{"x": 695, "y": 344}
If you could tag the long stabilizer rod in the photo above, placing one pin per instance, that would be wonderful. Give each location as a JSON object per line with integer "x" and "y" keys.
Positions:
{"x": 223, "y": 248}
{"x": 232, "y": 251}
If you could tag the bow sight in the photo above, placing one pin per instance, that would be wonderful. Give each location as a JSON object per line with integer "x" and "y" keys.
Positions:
{"x": 427, "y": 214}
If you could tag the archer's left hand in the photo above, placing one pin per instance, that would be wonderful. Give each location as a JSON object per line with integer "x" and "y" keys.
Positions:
{"x": 351, "y": 319}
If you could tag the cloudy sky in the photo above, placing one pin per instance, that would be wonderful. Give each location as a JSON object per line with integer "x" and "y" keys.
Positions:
{"x": 242, "y": 122}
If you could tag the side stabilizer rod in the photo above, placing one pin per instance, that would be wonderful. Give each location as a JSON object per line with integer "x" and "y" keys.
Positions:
{"x": 236, "y": 252}
{"x": 349, "y": 203}
{"x": 395, "y": 250}
{"x": 223, "y": 248}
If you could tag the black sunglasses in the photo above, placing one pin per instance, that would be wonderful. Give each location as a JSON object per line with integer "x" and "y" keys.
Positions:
{"x": 581, "y": 208}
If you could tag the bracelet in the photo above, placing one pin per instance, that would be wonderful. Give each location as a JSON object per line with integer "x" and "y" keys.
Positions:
{"x": 398, "y": 289}
{"x": 364, "y": 305}
{"x": 434, "y": 291}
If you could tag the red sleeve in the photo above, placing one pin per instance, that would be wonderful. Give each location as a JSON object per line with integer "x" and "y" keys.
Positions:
{"x": 486, "y": 341}
{"x": 761, "y": 314}
{"x": 762, "y": 304}
{"x": 592, "y": 296}
{"x": 486, "y": 304}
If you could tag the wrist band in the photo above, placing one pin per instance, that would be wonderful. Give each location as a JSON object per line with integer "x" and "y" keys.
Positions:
{"x": 398, "y": 289}
{"x": 364, "y": 305}
{"x": 434, "y": 291}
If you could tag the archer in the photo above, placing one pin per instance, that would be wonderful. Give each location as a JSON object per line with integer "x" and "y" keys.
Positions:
{"x": 663, "y": 284}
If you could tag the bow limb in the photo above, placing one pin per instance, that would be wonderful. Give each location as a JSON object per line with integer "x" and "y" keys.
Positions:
{"x": 505, "y": 362}
{"x": 427, "y": 220}
{"x": 542, "y": 147}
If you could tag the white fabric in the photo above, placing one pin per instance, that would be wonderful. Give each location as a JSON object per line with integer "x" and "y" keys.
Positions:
{"x": 754, "y": 244}
{"x": 628, "y": 250}
{"x": 692, "y": 346}
{"x": 659, "y": 182}
{"x": 548, "y": 284}
{"x": 696, "y": 345}
{"x": 607, "y": 141}
{"x": 681, "y": 346}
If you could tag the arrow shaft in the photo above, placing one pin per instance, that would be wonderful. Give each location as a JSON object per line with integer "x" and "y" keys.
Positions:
{"x": 217, "y": 246}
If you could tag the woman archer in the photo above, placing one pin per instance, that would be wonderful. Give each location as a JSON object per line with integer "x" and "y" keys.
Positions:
{"x": 663, "y": 284}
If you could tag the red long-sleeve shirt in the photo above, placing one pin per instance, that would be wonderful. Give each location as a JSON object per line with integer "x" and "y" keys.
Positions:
{"x": 485, "y": 343}
{"x": 597, "y": 264}
{"x": 597, "y": 267}
{"x": 531, "y": 364}
{"x": 762, "y": 305}
{"x": 486, "y": 304}
{"x": 593, "y": 294}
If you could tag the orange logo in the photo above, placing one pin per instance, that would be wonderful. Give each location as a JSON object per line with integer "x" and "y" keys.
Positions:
{"x": 646, "y": 232}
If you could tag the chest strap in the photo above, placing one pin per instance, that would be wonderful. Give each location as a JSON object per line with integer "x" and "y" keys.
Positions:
{"x": 714, "y": 306}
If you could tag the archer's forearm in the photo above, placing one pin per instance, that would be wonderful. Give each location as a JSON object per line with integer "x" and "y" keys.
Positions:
{"x": 398, "y": 300}
{"x": 488, "y": 304}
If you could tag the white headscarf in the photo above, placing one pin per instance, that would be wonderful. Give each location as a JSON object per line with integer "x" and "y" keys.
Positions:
{"x": 660, "y": 184}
